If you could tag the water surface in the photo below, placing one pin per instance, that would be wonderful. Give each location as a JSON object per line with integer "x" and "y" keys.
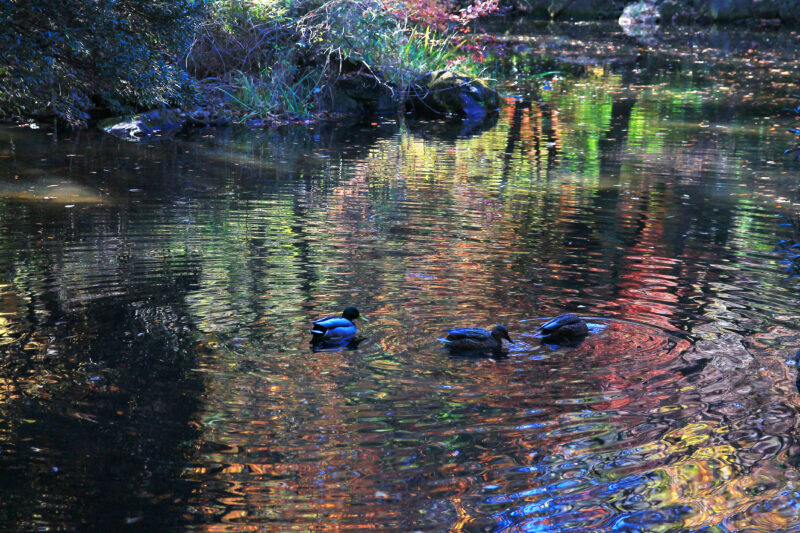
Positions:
{"x": 155, "y": 302}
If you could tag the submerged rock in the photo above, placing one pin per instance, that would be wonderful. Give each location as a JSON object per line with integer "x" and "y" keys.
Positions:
{"x": 444, "y": 93}
{"x": 643, "y": 12}
{"x": 640, "y": 20}
{"x": 144, "y": 126}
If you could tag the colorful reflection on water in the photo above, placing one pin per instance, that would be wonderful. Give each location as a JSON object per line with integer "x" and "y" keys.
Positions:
{"x": 155, "y": 302}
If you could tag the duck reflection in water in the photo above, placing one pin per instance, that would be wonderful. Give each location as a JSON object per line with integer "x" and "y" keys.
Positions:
{"x": 477, "y": 341}
{"x": 336, "y": 345}
{"x": 563, "y": 330}
{"x": 335, "y": 333}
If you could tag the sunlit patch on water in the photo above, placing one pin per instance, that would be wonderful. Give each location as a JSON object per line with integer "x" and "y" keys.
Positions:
{"x": 56, "y": 192}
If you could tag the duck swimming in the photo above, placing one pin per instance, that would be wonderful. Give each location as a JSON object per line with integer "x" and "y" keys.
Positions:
{"x": 335, "y": 329}
{"x": 476, "y": 339}
{"x": 563, "y": 329}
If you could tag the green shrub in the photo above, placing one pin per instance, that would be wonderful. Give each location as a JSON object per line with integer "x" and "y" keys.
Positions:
{"x": 59, "y": 57}
{"x": 276, "y": 57}
{"x": 371, "y": 32}
{"x": 249, "y": 54}
{"x": 241, "y": 36}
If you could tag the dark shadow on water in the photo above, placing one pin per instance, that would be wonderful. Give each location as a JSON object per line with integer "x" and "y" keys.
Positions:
{"x": 349, "y": 137}
{"x": 695, "y": 367}
{"x": 98, "y": 410}
{"x": 451, "y": 129}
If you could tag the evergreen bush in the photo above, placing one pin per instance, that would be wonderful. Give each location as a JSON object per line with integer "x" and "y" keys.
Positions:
{"x": 63, "y": 57}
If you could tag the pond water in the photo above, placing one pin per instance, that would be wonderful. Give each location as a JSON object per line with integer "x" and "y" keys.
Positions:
{"x": 155, "y": 302}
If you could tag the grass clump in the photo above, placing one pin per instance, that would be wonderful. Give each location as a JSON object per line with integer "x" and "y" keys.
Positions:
{"x": 273, "y": 59}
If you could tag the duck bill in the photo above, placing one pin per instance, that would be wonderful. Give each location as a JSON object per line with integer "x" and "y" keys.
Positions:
{"x": 362, "y": 317}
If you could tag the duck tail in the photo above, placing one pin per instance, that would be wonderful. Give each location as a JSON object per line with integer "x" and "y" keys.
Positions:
{"x": 318, "y": 330}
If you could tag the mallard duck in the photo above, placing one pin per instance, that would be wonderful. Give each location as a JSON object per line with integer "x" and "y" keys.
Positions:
{"x": 476, "y": 339}
{"x": 563, "y": 329}
{"x": 336, "y": 328}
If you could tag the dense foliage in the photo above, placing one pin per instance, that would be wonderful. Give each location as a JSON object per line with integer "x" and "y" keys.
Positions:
{"x": 250, "y": 58}
{"x": 57, "y": 56}
{"x": 277, "y": 57}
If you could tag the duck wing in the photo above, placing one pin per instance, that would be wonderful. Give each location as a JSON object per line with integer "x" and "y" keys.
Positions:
{"x": 333, "y": 326}
{"x": 560, "y": 321}
{"x": 468, "y": 333}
